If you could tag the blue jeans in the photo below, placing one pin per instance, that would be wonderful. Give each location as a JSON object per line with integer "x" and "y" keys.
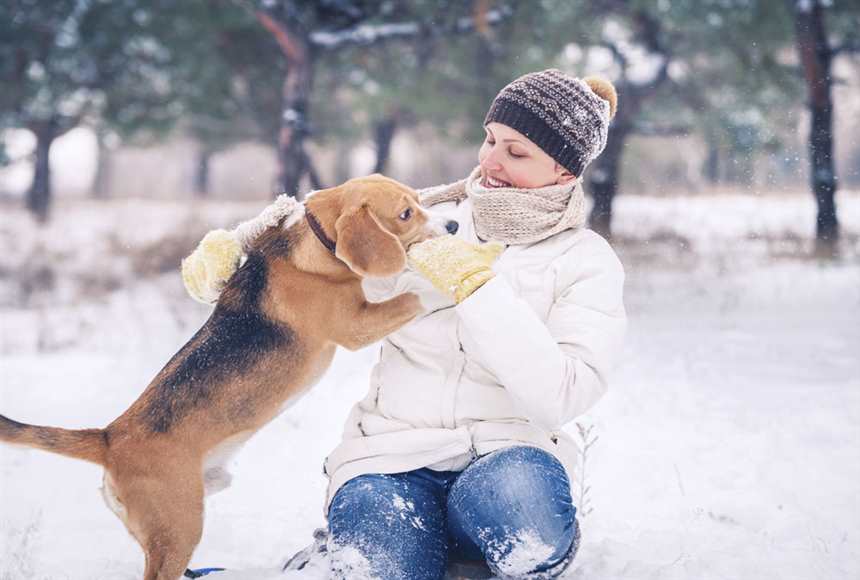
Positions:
{"x": 511, "y": 508}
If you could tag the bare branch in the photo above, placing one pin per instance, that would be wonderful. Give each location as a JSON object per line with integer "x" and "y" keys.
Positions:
{"x": 650, "y": 33}
{"x": 648, "y": 130}
{"x": 482, "y": 8}
{"x": 617, "y": 54}
{"x": 28, "y": 157}
{"x": 661, "y": 76}
{"x": 289, "y": 46}
{"x": 848, "y": 46}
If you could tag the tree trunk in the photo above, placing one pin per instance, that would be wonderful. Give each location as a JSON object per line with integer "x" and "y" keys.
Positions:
{"x": 815, "y": 56}
{"x": 295, "y": 120}
{"x": 740, "y": 168}
{"x": 711, "y": 167}
{"x": 101, "y": 180}
{"x": 605, "y": 175}
{"x": 487, "y": 53}
{"x": 39, "y": 194}
{"x": 313, "y": 175}
{"x": 383, "y": 135}
{"x": 201, "y": 173}
{"x": 603, "y": 180}
{"x": 295, "y": 126}
{"x": 294, "y": 129}
{"x": 343, "y": 153}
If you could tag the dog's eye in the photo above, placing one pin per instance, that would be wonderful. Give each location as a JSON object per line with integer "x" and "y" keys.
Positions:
{"x": 406, "y": 215}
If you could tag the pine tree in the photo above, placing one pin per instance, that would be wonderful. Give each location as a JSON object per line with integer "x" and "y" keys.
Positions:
{"x": 66, "y": 62}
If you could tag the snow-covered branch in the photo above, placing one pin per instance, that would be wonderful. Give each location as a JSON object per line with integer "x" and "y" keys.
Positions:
{"x": 366, "y": 34}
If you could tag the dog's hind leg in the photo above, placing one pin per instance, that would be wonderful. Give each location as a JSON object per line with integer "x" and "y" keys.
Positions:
{"x": 167, "y": 521}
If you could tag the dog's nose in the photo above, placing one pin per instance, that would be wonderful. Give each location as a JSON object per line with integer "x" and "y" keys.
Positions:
{"x": 452, "y": 227}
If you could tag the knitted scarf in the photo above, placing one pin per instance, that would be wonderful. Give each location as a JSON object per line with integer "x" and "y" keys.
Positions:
{"x": 511, "y": 215}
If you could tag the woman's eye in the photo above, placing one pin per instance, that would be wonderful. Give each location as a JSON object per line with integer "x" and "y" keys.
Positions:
{"x": 516, "y": 155}
{"x": 407, "y": 213}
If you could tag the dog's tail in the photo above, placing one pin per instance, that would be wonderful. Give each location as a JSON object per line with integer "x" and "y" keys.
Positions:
{"x": 87, "y": 444}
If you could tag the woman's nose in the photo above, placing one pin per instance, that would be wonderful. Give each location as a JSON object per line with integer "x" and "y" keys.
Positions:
{"x": 452, "y": 227}
{"x": 490, "y": 159}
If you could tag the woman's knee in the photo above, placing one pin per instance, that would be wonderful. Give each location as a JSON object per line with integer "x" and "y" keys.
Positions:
{"x": 523, "y": 479}
{"x": 515, "y": 506}
{"x": 382, "y": 527}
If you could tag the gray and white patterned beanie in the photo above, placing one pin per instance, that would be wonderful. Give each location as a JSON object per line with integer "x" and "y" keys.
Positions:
{"x": 567, "y": 117}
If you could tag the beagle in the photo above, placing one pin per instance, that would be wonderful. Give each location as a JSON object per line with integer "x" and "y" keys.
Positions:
{"x": 271, "y": 336}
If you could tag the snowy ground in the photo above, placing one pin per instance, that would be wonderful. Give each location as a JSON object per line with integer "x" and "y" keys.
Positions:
{"x": 728, "y": 446}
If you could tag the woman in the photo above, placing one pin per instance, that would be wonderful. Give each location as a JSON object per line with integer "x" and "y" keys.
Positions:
{"x": 457, "y": 452}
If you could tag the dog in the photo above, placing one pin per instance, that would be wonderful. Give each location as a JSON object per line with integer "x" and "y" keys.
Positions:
{"x": 271, "y": 336}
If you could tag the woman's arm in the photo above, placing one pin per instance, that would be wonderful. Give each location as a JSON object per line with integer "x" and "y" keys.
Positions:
{"x": 556, "y": 370}
{"x": 218, "y": 255}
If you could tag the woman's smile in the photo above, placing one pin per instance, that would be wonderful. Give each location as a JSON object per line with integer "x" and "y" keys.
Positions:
{"x": 493, "y": 182}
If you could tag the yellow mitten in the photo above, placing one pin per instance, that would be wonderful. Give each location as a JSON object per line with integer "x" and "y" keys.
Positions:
{"x": 210, "y": 265}
{"x": 454, "y": 266}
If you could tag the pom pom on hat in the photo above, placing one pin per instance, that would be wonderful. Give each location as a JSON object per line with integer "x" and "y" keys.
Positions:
{"x": 604, "y": 89}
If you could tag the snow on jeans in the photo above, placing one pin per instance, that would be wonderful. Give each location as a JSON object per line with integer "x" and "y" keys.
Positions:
{"x": 511, "y": 508}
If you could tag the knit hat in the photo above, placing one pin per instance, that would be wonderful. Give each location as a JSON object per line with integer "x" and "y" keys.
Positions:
{"x": 567, "y": 117}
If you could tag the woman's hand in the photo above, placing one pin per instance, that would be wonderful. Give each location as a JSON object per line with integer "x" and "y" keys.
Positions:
{"x": 454, "y": 266}
{"x": 210, "y": 265}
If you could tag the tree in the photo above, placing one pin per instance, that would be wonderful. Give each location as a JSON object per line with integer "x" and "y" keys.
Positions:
{"x": 447, "y": 79}
{"x": 628, "y": 27}
{"x": 308, "y": 32}
{"x": 67, "y": 61}
{"x": 742, "y": 98}
{"x": 672, "y": 81}
{"x": 226, "y": 79}
{"x": 816, "y": 52}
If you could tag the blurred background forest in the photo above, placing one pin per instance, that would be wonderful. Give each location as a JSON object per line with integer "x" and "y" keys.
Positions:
{"x": 730, "y": 188}
{"x": 241, "y": 99}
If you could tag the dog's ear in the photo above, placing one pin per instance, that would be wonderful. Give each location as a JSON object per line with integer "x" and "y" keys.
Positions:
{"x": 366, "y": 247}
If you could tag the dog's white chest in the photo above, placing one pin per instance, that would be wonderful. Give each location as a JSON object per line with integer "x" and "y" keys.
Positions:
{"x": 111, "y": 498}
{"x": 216, "y": 477}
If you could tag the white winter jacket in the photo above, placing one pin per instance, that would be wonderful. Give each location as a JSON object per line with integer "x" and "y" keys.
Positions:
{"x": 522, "y": 356}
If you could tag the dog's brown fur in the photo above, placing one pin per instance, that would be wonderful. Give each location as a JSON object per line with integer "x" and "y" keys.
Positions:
{"x": 271, "y": 336}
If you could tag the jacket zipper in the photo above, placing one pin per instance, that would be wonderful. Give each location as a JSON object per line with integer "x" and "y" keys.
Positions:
{"x": 462, "y": 364}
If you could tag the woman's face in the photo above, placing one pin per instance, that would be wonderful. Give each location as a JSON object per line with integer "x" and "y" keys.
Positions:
{"x": 509, "y": 159}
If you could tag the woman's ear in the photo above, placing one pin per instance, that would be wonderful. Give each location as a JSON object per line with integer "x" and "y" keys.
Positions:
{"x": 563, "y": 176}
{"x": 366, "y": 247}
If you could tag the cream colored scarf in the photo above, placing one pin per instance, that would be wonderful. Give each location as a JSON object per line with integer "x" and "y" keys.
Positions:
{"x": 511, "y": 215}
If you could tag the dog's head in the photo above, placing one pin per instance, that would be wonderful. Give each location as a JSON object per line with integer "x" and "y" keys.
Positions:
{"x": 373, "y": 220}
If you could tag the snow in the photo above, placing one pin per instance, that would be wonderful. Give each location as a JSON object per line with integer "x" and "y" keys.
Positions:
{"x": 728, "y": 444}
{"x": 518, "y": 555}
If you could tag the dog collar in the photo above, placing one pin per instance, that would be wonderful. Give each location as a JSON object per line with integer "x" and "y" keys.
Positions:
{"x": 316, "y": 228}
